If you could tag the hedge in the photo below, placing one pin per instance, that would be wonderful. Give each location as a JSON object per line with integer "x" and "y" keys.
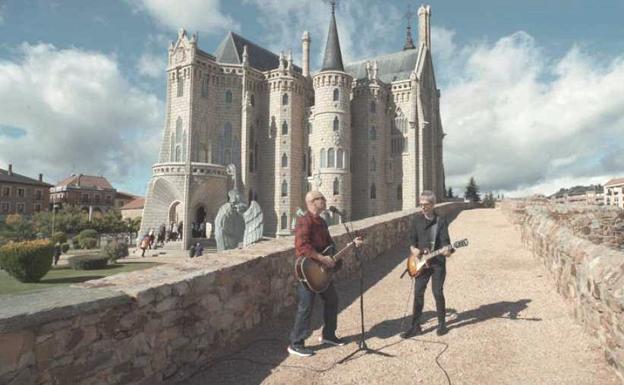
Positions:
{"x": 59, "y": 237}
{"x": 88, "y": 233}
{"x": 87, "y": 243}
{"x": 27, "y": 261}
{"x": 116, "y": 250}
{"x": 88, "y": 262}
{"x": 65, "y": 247}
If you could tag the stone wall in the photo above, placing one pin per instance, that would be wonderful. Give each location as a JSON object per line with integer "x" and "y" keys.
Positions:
{"x": 589, "y": 276}
{"x": 159, "y": 325}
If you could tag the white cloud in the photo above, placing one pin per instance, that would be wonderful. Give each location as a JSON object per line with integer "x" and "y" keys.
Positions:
{"x": 193, "y": 15}
{"x": 2, "y": 12}
{"x": 78, "y": 114}
{"x": 152, "y": 65}
{"x": 520, "y": 121}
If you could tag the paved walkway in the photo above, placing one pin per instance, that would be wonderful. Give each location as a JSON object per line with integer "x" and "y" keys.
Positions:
{"x": 507, "y": 326}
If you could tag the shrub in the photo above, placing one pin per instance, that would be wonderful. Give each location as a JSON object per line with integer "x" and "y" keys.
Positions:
{"x": 59, "y": 237}
{"x": 115, "y": 250}
{"x": 75, "y": 242}
{"x": 27, "y": 261}
{"x": 88, "y": 262}
{"x": 65, "y": 247}
{"x": 88, "y": 233}
{"x": 87, "y": 243}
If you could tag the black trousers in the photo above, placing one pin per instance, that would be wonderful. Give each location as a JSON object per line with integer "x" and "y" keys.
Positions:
{"x": 301, "y": 329}
{"x": 437, "y": 273}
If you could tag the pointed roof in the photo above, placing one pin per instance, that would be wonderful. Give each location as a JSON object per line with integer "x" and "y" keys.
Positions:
{"x": 88, "y": 181}
{"x": 231, "y": 48}
{"x": 391, "y": 67}
{"x": 333, "y": 56}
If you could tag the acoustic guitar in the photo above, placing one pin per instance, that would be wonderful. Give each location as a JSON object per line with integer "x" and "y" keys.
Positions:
{"x": 416, "y": 264}
{"x": 313, "y": 274}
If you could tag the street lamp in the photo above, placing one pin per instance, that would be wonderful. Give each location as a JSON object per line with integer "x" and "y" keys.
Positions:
{"x": 54, "y": 206}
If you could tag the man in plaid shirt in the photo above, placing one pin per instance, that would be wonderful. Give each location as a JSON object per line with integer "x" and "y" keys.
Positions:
{"x": 311, "y": 238}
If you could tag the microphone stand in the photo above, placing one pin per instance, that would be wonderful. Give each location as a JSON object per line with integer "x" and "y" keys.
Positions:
{"x": 362, "y": 342}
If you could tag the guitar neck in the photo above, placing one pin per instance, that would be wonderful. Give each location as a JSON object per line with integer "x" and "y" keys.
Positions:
{"x": 434, "y": 254}
{"x": 340, "y": 254}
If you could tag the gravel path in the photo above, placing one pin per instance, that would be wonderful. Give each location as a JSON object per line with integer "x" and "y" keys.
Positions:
{"x": 507, "y": 325}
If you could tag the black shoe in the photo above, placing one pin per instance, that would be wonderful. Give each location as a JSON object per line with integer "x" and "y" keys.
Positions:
{"x": 332, "y": 341}
{"x": 441, "y": 330}
{"x": 412, "y": 332}
{"x": 299, "y": 350}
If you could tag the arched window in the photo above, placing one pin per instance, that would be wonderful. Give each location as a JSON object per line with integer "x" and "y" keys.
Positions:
{"x": 178, "y": 153}
{"x": 228, "y": 97}
{"x": 373, "y": 192}
{"x": 373, "y": 107}
{"x": 252, "y": 100}
{"x": 180, "y": 86}
{"x": 336, "y": 94}
{"x": 400, "y": 192}
{"x": 323, "y": 158}
{"x": 336, "y": 124}
{"x": 284, "y": 188}
{"x": 284, "y": 222}
{"x": 373, "y": 164}
{"x": 285, "y": 100}
{"x": 285, "y": 128}
{"x": 284, "y": 160}
{"x": 340, "y": 158}
{"x": 272, "y": 128}
{"x": 331, "y": 159}
{"x": 372, "y": 133}
{"x": 205, "y": 84}
{"x": 336, "y": 186}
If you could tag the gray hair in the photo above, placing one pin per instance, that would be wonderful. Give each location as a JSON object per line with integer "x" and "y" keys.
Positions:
{"x": 429, "y": 196}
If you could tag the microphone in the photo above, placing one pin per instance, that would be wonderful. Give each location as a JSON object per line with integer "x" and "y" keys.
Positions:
{"x": 334, "y": 210}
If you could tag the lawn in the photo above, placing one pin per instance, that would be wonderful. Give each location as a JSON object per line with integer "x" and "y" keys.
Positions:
{"x": 64, "y": 275}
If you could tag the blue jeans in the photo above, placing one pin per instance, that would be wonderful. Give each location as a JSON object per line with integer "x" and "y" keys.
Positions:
{"x": 301, "y": 329}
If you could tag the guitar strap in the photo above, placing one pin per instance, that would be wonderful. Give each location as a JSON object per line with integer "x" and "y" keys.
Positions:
{"x": 434, "y": 234}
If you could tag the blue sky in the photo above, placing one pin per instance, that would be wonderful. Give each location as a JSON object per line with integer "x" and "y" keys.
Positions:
{"x": 532, "y": 93}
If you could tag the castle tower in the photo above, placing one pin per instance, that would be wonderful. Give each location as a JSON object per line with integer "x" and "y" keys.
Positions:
{"x": 305, "y": 42}
{"x": 330, "y": 139}
{"x": 424, "y": 27}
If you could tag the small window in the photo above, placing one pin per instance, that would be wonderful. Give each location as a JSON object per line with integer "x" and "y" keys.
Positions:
{"x": 373, "y": 192}
{"x": 228, "y": 97}
{"x": 336, "y": 94}
{"x": 6, "y": 191}
{"x": 336, "y": 124}
{"x": 373, "y": 164}
{"x": 20, "y": 192}
{"x": 284, "y": 188}
{"x": 373, "y": 107}
{"x": 285, "y": 128}
{"x": 285, "y": 100}
{"x": 340, "y": 158}
{"x": 252, "y": 100}
{"x": 5, "y": 207}
{"x": 284, "y": 160}
{"x": 38, "y": 195}
{"x": 331, "y": 160}
{"x": 336, "y": 186}
{"x": 284, "y": 222}
{"x": 205, "y": 84}
{"x": 372, "y": 133}
{"x": 180, "y": 86}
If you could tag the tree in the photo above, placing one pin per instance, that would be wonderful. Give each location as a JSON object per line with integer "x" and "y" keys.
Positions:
{"x": 450, "y": 192}
{"x": 16, "y": 228}
{"x": 472, "y": 191}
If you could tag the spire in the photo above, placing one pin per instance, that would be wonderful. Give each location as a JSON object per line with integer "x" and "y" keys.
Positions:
{"x": 409, "y": 43}
{"x": 333, "y": 57}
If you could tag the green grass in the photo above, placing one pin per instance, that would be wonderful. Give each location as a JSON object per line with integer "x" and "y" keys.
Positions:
{"x": 64, "y": 275}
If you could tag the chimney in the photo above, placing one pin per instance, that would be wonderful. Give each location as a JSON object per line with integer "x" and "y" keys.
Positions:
{"x": 10, "y": 169}
{"x": 40, "y": 177}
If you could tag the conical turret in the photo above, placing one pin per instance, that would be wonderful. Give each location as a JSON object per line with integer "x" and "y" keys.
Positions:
{"x": 333, "y": 56}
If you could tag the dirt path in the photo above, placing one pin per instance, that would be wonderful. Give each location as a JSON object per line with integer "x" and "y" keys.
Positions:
{"x": 507, "y": 326}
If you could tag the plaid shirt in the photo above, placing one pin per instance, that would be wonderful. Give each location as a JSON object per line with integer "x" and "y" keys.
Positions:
{"x": 311, "y": 234}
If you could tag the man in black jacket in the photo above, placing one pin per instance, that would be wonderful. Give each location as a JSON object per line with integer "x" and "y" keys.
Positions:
{"x": 429, "y": 232}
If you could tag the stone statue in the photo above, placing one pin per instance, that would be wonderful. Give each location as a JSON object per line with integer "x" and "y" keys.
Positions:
{"x": 229, "y": 223}
{"x": 299, "y": 213}
{"x": 254, "y": 224}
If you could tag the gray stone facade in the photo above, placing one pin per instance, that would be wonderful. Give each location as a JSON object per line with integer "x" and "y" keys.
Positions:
{"x": 367, "y": 134}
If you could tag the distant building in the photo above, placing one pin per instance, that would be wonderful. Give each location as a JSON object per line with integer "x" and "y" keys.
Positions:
{"x": 133, "y": 209}
{"x": 614, "y": 193}
{"x": 590, "y": 195}
{"x": 85, "y": 192}
{"x": 122, "y": 199}
{"x": 22, "y": 195}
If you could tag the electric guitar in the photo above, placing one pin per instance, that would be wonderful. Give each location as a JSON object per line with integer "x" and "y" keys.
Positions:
{"x": 416, "y": 264}
{"x": 315, "y": 276}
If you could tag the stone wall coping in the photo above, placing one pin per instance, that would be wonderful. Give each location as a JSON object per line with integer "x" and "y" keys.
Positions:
{"x": 24, "y": 310}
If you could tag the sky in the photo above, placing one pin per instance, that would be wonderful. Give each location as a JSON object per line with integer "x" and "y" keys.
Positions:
{"x": 532, "y": 92}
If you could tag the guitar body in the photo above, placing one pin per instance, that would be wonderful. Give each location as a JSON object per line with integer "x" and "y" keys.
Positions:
{"x": 315, "y": 276}
{"x": 416, "y": 266}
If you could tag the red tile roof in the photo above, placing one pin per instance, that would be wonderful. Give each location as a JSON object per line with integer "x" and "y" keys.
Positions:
{"x": 98, "y": 182}
{"x": 614, "y": 182}
{"x": 134, "y": 204}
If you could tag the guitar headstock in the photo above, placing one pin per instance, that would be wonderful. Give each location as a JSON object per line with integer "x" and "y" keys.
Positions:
{"x": 462, "y": 243}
